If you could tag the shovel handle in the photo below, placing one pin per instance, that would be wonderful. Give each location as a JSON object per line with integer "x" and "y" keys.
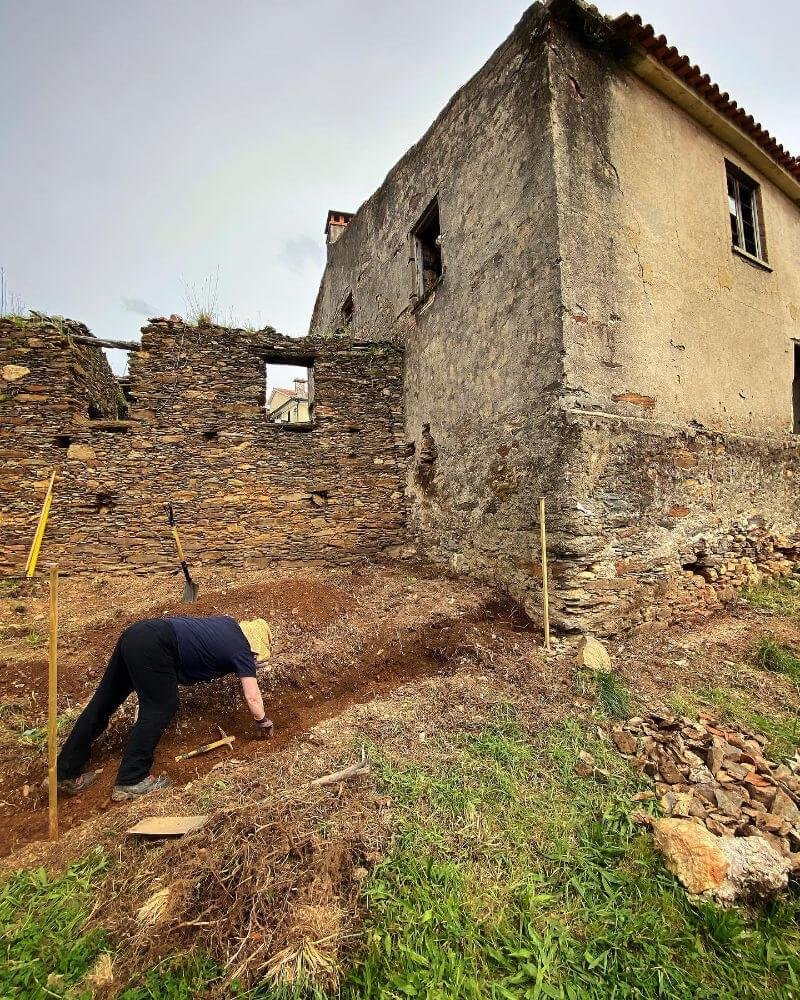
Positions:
{"x": 177, "y": 537}
{"x": 179, "y": 548}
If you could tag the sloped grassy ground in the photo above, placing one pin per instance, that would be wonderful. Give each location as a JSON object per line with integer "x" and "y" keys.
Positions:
{"x": 509, "y": 877}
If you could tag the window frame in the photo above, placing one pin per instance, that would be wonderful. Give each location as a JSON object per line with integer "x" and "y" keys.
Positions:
{"x": 298, "y": 361}
{"x": 744, "y": 185}
{"x": 420, "y": 293}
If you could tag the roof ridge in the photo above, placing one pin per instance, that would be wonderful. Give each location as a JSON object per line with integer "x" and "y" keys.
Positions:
{"x": 634, "y": 29}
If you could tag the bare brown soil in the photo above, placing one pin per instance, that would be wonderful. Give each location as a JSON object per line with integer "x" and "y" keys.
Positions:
{"x": 340, "y": 641}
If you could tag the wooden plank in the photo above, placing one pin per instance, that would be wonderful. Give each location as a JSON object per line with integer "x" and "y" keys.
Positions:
{"x": 120, "y": 345}
{"x": 109, "y": 425}
{"x": 52, "y": 708}
{"x": 545, "y": 590}
{"x": 36, "y": 544}
{"x": 167, "y": 826}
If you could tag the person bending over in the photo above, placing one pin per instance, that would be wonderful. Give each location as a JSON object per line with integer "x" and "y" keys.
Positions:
{"x": 153, "y": 658}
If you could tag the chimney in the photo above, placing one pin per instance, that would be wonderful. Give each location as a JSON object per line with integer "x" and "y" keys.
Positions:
{"x": 336, "y": 224}
{"x": 300, "y": 387}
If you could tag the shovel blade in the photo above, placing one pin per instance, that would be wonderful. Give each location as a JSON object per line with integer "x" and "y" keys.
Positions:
{"x": 190, "y": 592}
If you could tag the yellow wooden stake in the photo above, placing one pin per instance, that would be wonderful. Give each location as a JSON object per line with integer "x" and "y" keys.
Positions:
{"x": 545, "y": 591}
{"x": 36, "y": 544}
{"x": 52, "y": 707}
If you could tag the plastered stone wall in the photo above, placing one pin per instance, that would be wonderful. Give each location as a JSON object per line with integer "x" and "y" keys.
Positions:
{"x": 483, "y": 353}
{"x": 589, "y": 277}
{"x": 245, "y": 492}
{"x": 661, "y": 317}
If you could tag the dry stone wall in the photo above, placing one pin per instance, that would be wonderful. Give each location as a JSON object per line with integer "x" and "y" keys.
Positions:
{"x": 245, "y": 492}
{"x": 656, "y": 524}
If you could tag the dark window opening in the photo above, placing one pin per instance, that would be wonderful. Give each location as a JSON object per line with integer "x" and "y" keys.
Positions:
{"x": 796, "y": 391}
{"x": 210, "y": 435}
{"x": 103, "y": 503}
{"x": 744, "y": 212}
{"x": 94, "y": 411}
{"x": 289, "y": 393}
{"x": 62, "y": 440}
{"x": 427, "y": 245}
{"x": 348, "y": 310}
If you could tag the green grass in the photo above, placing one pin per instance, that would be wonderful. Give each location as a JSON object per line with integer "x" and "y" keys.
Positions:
{"x": 510, "y": 877}
{"x": 35, "y": 638}
{"x": 43, "y": 951}
{"x": 780, "y": 596}
{"x": 184, "y": 979}
{"x": 770, "y": 655}
{"x": 36, "y": 736}
{"x": 614, "y": 695}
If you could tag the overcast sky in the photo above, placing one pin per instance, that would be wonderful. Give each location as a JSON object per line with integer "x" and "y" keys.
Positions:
{"x": 150, "y": 146}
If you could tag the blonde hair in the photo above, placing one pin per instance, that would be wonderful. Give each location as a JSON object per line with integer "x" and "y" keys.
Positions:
{"x": 259, "y": 638}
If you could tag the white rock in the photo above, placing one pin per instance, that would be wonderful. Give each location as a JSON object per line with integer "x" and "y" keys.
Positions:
{"x": 11, "y": 373}
{"x": 756, "y": 871}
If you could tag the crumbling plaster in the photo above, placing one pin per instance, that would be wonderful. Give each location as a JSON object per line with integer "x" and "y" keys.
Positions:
{"x": 581, "y": 355}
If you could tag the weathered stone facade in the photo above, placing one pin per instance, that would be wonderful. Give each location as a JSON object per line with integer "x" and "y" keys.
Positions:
{"x": 593, "y": 338}
{"x": 246, "y": 492}
{"x": 541, "y": 299}
{"x": 658, "y": 523}
{"x": 483, "y": 351}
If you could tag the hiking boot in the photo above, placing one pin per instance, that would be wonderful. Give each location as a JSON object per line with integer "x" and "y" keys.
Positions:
{"x": 149, "y": 784}
{"x": 74, "y": 786}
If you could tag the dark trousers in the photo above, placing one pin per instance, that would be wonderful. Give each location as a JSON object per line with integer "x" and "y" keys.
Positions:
{"x": 145, "y": 660}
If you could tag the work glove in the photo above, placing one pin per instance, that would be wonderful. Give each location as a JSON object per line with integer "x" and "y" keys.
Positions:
{"x": 264, "y": 728}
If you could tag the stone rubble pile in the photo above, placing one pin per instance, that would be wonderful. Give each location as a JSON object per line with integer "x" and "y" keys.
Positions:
{"x": 717, "y": 776}
{"x": 744, "y": 556}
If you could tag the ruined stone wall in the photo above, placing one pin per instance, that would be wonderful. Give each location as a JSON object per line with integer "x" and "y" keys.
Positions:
{"x": 661, "y": 316}
{"x": 483, "y": 351}
{"x": 48, "y": 385}
{"x": 665, "y": 523}
{"x": 245, "y": 492}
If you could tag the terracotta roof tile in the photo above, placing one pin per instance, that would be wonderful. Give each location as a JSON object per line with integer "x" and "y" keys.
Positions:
{"x": 632, "y": 28}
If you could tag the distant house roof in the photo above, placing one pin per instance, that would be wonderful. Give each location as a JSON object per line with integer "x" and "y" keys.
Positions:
{"x": 280, "y": 397}
{"x": 632, "y": 29}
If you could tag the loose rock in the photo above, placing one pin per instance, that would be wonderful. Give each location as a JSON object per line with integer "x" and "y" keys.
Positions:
{"x": 593, "y": 655}
{"x": 738, "y": 794}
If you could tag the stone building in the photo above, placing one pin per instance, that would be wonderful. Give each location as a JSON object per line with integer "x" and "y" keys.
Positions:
{"x": 581, "y": 283}
{"x": 590, "y": 260}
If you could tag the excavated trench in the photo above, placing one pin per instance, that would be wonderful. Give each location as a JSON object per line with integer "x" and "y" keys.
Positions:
{"x": 295, "y": 704}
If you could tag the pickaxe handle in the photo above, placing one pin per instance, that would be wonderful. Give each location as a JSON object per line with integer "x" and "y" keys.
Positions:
{"x": 205, "y": 748}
